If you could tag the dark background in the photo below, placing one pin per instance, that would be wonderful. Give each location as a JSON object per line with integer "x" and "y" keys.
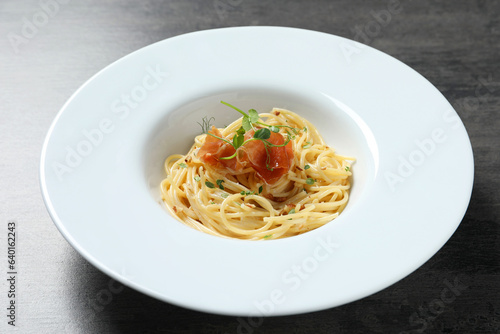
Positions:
{"x": 454, "y": 44}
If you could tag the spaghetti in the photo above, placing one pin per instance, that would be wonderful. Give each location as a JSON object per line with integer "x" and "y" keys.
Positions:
{"x": 292, "y": 185}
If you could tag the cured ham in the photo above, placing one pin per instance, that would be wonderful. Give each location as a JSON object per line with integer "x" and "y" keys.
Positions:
{"x": 270, "y": 165}
{"x": 213, "y": 149}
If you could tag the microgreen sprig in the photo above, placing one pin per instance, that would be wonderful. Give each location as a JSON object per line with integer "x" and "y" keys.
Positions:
{"x": 252, "y": 118}
{"x": 205, "y": 123}
{"x": 250, "y": 122}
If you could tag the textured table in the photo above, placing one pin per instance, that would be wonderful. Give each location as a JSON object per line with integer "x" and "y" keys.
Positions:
{"x": 49, "y": 48}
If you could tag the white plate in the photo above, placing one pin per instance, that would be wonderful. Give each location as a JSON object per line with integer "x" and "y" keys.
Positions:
{"x": 102, "y": 163}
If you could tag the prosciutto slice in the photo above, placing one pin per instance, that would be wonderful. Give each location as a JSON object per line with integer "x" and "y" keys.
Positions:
{"x": 272, "y": 168}
{"x": 213, "y": 149}
{"x": 269, "y": 168}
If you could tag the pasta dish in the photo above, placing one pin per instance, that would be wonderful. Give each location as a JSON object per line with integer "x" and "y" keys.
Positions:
{"x": 264, "y": 176}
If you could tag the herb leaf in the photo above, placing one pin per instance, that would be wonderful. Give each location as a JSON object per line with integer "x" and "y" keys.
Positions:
{"x": 291, "y": 211}
{"x": 247, "y": 192}
{"x": 253, "y": 116}
{"x": 307, "y": 145}
{"x": 274, "y": 128}
{"x": 209, "y": 184}
{"x": 310, "y": 181}
{"x": 197, "y": 178}
{"x": 263, "y": 133}
{"x": 240, "y": 131}
{"x": 245, "y": 124}
{"x": 347, "y": 169}
{"x": 260, "y": 189}
{"x": 238, "y": 140}
{"x": 219, "y": 183}
{"x": 183, "y": 165}
{"x": 307, "y": 167}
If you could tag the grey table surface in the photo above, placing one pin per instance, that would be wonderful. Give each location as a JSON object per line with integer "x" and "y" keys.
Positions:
{"x": 48, "y": 48}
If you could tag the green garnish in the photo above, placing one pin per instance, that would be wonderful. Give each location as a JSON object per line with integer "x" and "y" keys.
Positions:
{"x": 183, "y": 165}
{"x": 263, "y": 133}
{"x": 238, "y": 140}
{"x": 219, "y": 183}
{"x": 206, "y": 123}
{"x": 304, "y": 129}
{"x": 209, "y": 184}
{"x": 307, "y": 145}
{"x": 224, "y": 195}
{"x": 245, "y": 124}
{"x": 347, "y": 169}
{"x": 268, "y": 236}
{"x": 253, "y": 115}
{"x": 249, "y": 122}
{"x": 260, "y": 189}
{"x": 291, "y": 211}
{"x": 310, "y": 181}
{"x": 289, "y": 134}
{"x": 307, "y": 167}
{"x": 197, "y": 178}
{"x": 274, "y": 128}
{"x": 247, "y": 192}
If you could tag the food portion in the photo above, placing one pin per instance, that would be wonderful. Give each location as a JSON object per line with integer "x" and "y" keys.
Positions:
{"x": 264, "y": 176}
{"x": 270, "y": 163}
